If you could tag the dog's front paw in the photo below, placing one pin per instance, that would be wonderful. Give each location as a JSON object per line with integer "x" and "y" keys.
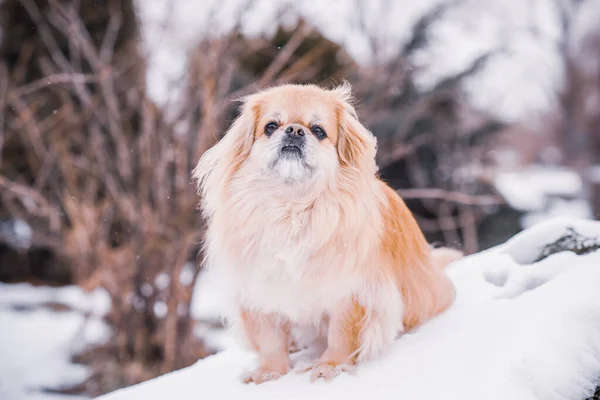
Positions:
{"x": 261, "y": 375}
{"x": 326, "y": 371}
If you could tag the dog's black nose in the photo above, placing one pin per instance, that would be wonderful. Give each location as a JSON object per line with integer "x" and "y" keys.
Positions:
{"x": 294, "y": 130}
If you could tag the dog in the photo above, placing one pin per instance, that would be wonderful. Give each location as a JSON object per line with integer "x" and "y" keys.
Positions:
{"x": 306, "y": 235}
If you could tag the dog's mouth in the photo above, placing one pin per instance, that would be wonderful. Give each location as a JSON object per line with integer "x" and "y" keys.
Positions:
{"x": 291, "y": 149}
{"x": 291, "y": 162}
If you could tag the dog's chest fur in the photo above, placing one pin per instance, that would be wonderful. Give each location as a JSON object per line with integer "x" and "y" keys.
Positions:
{"x": 282, "y": 259}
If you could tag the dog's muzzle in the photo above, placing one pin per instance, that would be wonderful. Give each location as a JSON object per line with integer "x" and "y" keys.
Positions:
{"x": 293, "y": 142}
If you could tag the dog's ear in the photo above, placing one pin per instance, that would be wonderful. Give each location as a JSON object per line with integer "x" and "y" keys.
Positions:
{"x": 356, "y": 145}
{"x": 241, "y": 133}
{"x": 217, "y": 165}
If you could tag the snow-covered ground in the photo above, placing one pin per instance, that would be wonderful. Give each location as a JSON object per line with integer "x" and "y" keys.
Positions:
{"x": 544, "y": 193}
{"x": 37, "y": 341}
{"x": 41, "y": 327}
{"x": 518, "y": 330}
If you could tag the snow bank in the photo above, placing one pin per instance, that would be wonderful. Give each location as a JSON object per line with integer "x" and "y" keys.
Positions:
{"x": 528, "y": 189}
{"x": 36, "y": 342}
{"x": 518, "y": 330}
{"x": 544, "y": 193}
{"x": 26, "y": 295}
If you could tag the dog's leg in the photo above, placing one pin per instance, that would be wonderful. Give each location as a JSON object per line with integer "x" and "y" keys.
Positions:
{"x": 343, "y": 341}
{"x": 269, "y": 336}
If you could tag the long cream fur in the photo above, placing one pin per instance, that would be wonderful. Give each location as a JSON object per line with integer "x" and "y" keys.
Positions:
{"x": 325, "y": 243}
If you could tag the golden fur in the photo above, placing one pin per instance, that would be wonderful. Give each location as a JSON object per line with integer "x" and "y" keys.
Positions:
{"x": 317, "y": 239}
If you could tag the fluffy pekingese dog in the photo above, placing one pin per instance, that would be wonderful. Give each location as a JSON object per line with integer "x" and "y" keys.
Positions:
{"x": 307, "y": 235}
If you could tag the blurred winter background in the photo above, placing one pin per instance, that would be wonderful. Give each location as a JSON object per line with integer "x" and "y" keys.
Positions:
{"x": 487, "y": 116}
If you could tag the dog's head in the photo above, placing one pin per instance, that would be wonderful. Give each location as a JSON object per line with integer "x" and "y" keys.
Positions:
{"x": 291, "y": 135}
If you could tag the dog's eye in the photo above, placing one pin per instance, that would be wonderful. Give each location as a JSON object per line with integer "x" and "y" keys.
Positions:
{"x": 270, "y": 128}
{"x": 319, "y": 132}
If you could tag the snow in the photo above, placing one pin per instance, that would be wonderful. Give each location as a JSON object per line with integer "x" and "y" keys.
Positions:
{"x": 518, "y": 330}
{"x": 96, "y": 302}
{"x": 36, "y": 342}
{"x": 162, "y": 281}
{"x": 206, "y": 309}
{"x": 577, "y": 208}
{"x": 544, "y": 193}
{"x": 187, "y": 273}
{"x": 16, "y": 232}
{"x": 548, "y": 232}
{"x": 214, "y": 338}
{"x": 205, "y": 299}
{"x": 528, "y": 188}
{"x": 160, "y": 309}
{"x": 23, "y": 230}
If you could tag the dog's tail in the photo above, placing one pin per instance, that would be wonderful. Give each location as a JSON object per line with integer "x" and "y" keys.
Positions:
{"x": 442, "y": 256}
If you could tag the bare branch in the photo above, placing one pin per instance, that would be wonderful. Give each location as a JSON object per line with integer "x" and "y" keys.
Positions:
{"x": 3, "y": 90}
{"x": 420, "y": 30}
{"x": 452, "y": 197}
{"x": 112, "y": 32}
{"x": 52, "y": 80}
{"x": 30, "y": 199}
{"x": 303, "y": 30}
